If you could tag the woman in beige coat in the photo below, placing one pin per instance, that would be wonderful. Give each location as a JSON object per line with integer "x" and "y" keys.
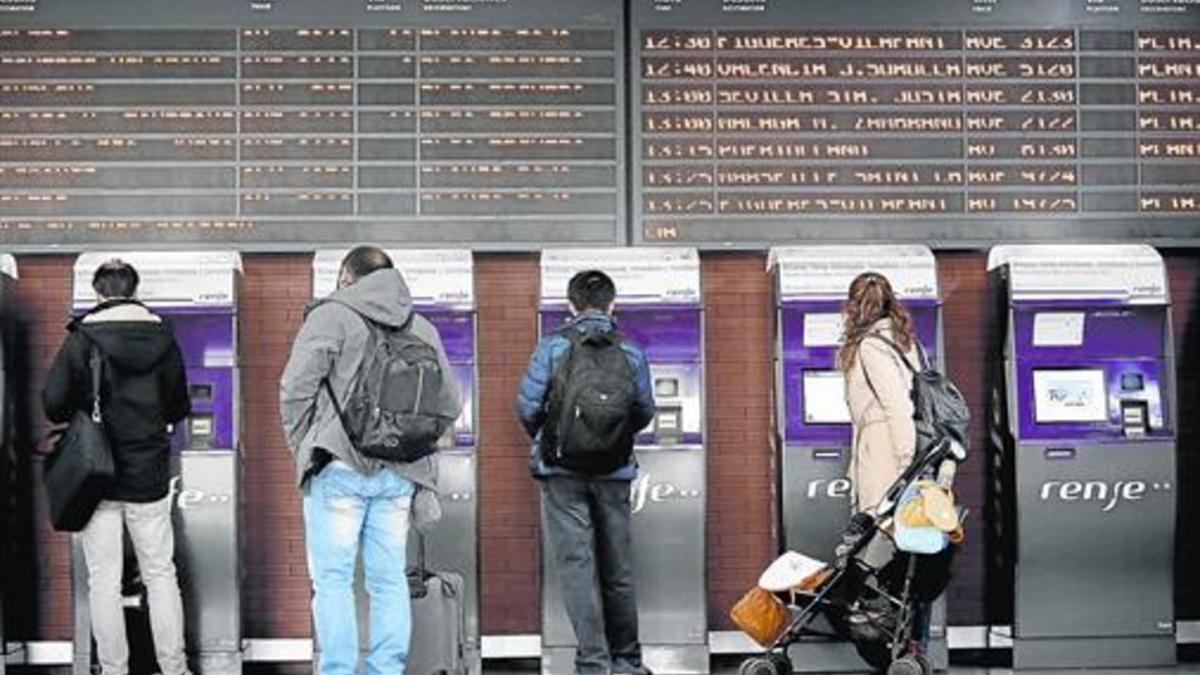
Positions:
{"x": 878, "y": 387}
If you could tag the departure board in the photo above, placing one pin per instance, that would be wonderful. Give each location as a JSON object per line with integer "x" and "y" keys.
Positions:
{"x": 301, "y": 123}
{"x": 945, "y": 121}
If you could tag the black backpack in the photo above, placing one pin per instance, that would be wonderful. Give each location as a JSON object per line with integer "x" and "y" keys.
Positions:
{"x": 392, "y": 412}
{"x": 939, "y": 408}
{"x": 589, "y": 426}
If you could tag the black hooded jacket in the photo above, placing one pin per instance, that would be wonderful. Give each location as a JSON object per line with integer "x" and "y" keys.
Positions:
{"x": 143, "y": 389}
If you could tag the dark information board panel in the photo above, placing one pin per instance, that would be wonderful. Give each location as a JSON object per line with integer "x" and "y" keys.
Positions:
{"x": 948, "y": 121}
{"x": 281, "y": 123}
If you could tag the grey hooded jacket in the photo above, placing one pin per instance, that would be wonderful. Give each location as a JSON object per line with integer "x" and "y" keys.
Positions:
{"x": 332, "y": 343}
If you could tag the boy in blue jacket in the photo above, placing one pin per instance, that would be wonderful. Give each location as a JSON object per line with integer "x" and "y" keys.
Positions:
{"x": 588, "y": 514}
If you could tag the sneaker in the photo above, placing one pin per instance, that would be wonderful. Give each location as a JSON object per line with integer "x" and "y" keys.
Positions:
{"x": 629, "y": 667}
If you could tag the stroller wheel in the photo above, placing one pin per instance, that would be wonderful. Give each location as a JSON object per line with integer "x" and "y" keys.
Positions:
{"x": 907, "y": 665}
{"x": 760, "y": 665}
{"x": 783, "y": 665}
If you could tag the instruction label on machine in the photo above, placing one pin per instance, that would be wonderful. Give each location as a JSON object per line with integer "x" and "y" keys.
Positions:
{"x": 442, "y": 277}
{"x": 1132, "y": 273}
{"x": 650, "y": 275}
{"x": 1058, "y": 329}
{"x": 167, "y": 277}
{"x": 827, "y": 271}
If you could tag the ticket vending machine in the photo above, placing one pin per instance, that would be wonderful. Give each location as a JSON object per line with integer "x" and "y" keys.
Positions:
{"x": 197, "y": 292}
{"x": 8, "y": 273}
{"x": 812, "y": 422}
{"x": 442, "y": 284}
{"x": 1083, "y": 431}
{"x": 658, "y": 307}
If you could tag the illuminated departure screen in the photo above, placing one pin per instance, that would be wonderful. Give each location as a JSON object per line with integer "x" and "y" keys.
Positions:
{"x": 300, "y": 122}
{"x": 762, "y": 121}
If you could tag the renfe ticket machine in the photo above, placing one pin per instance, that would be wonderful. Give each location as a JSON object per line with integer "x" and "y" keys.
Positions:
{"x": 196, "y": 292}
{"x": 658, "y": 307}
{"x": 1083, "y": 427}
{"x": 8, "y": 272}
{"x": 442, "y": 284}
{"x": 813, "y": 424}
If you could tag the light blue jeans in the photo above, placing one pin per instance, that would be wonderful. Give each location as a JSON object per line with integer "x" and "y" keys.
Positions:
{"x": 341, "y": 509}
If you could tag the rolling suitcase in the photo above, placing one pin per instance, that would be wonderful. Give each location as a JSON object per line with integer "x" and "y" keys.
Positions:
{"x": 438, "y": 619}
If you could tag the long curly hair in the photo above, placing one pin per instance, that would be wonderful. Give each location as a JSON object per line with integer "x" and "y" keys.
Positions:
{"x": 871, "y": 298}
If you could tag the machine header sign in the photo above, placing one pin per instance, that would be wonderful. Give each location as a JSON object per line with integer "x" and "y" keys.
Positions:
{"x": 442, "y": 277}
{"x": 1131, "y": 273}
{"x": 167, "y": 278}
{"x": 814, "y": 272}
{"x": 642, "y": 276}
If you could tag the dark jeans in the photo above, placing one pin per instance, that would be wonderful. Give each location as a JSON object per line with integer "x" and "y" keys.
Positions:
{"x": 588, "y": 522}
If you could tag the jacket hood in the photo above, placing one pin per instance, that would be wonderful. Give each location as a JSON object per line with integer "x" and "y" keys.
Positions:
{"x": 381, "y": 296}
{"x": 593, "y": 323}
{"x": 131, "y": 337}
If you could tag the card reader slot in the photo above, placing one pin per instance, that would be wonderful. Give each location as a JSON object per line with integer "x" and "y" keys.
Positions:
{"x": 1059, "y": 454}
{"x": 827, "y": 454}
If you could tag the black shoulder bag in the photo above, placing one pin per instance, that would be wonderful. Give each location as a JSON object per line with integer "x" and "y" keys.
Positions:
{"x": 79, "y": 471}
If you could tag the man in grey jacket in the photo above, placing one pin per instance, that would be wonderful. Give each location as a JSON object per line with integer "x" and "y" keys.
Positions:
{"x": 350, "y": 498}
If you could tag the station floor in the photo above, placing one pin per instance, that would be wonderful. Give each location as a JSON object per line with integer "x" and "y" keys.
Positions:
{"x": 728, "y": 666}
{"x": 731, "y": 669}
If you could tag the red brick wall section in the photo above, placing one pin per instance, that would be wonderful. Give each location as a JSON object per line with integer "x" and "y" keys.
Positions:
{"x": 43, "y": 303}
{"x": 1184, "y": 270}
{"x": 742, "y": 532}
{"x": 507, "y": 296}
{"x": 963, "y": 282}
{"x": 275, "y": 585}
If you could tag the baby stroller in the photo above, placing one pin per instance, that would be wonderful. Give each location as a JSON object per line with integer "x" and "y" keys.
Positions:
{"x": 873, "y": 591}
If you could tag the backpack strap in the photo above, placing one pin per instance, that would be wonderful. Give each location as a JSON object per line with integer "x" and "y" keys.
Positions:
{"x": 899, "y": 352}
{"x": 96, "y": 365}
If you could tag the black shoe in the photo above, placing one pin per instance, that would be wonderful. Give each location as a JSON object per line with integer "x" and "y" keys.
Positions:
{"x": 629, "y": 667}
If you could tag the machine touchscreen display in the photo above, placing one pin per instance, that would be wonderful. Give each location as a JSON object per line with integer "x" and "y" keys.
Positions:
{"x": 825, "y": 397}
{"x": 1069, "y": 395}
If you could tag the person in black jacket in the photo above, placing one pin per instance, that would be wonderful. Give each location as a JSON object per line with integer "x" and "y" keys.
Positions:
{"x": 143, "y": 392}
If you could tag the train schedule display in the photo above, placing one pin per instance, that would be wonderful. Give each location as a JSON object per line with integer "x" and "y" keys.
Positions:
{"x": 955, "y": 122}
{"x": 294, "y": 123}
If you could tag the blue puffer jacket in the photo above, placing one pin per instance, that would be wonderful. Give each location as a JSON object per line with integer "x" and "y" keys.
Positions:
{"x": 531, "y": 399}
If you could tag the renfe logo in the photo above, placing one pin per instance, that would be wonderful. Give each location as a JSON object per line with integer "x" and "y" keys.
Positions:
{"x": 838, "y": 488}
{"x": 1102, "y": 492}
{"x": 644, "y": 490}
{"x": 191, "y": 498}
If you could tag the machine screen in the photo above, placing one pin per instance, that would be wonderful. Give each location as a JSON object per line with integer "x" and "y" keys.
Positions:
{"x": 825, "y": 397}
{"x": 1069, "y": 395}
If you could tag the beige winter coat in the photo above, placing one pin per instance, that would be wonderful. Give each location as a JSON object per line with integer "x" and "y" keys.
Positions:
{"x": 884, "y": 436}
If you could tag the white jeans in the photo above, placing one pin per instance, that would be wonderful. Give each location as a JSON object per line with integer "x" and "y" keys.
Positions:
{"x": 153, "y": 539}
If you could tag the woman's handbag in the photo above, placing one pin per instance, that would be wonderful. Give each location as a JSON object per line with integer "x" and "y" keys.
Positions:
{"x": 80, "y": 470}
{"x": 761, "y": 615}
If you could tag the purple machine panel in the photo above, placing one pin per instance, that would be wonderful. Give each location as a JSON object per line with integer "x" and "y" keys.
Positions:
{"x": 207, "y": 338}
{"x": 797, "y": 357}
{"x": 457, "y": 330}
{"x": 670, "y": 335}
{"x": 1126, "y": 343}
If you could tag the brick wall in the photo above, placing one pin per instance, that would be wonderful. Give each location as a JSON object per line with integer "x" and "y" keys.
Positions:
{"x": 509, "y": 521}
{"x": 42, "y": 302}
{"x": 741, "y": 505}
{"x": 1184, "y": 270}
{"x": 963, "y": 283}
{"x": 742, "y": 531}
{"x": 275, "y": 586}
